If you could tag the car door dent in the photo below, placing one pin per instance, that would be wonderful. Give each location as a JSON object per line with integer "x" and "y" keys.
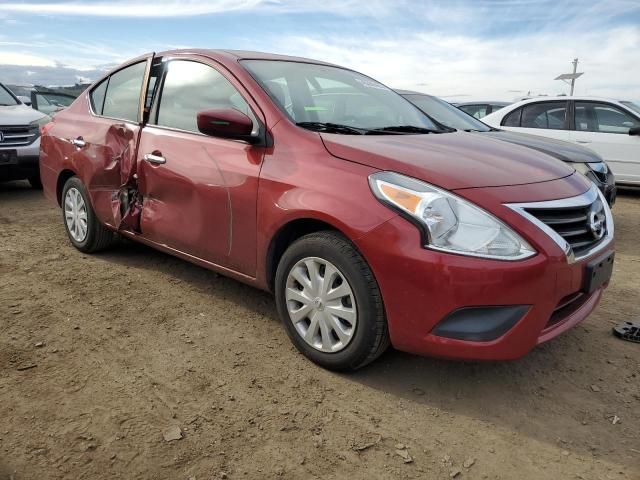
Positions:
{"x": 121, "y": 142}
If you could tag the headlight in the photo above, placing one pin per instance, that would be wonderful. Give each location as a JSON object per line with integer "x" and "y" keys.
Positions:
{"x": 448, "y": 222}
{"x": 599, "y": 167}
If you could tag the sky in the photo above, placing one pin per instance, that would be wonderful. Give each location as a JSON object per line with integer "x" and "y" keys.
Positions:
{"x": 459, "y": 49}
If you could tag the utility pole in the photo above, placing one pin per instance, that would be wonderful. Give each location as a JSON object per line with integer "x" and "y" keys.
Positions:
{"x": 573, "y": 80}
{"x": 565, "y": 77}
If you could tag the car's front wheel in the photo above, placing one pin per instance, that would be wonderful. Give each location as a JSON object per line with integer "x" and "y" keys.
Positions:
{"x": 330, "y": 303}
{"x": 86, "y": 233}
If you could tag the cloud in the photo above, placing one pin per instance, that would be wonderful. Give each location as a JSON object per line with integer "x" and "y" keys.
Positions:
{"x": 24, "y": 59}
{"x": 169, "y": 8}
{"x": 46, "y": 75}
{"x": 79, "y": 55}
{"x": 496, "y": 49}
{"x": 492, "y": 68}
{"x": 475, "y": 14}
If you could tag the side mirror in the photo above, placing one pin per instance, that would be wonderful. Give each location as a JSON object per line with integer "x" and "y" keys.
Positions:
{"x": 226, "y": 123}
{"x": 634, "y": 131}
{"x": 25, "y": 100}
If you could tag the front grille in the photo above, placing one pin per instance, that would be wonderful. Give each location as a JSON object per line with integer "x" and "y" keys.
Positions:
{"x": 574, "y": 224}
{"x": 17, "y": 135}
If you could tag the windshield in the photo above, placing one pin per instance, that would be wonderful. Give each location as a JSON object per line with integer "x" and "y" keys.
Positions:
{"x": 314, "y": 95}
{"x": 632, "y": 106}
{"x": 446, "y": 114}
{"x": 6, "y": 98}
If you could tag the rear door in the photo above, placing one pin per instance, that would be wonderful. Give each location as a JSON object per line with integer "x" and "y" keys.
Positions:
{"x": 604, "y": 127}
{"x": 103, "y": 144}
{"x": 199, "y": 192}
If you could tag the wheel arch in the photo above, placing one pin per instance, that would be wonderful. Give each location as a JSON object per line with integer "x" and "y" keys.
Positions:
{"x": 286, "y": 235}
{"x": 63, "y": 177}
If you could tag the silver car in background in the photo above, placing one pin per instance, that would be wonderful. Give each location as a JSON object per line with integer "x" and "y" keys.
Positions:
{"x": 19, "y": 139}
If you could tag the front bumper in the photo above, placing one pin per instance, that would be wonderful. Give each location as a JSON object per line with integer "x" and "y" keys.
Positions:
{"x": 21, "y": 164}
{"x": 422, "y": 287}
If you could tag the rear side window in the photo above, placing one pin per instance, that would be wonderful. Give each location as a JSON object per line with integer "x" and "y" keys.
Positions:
{"x": 512, "y": 119}
{"x": 122, "y": 100}
{"x": 547, "y": 115}
{"x": 190, "y": 87}
{"x": 477, "y": 111}
{"x": 97, "y": 96}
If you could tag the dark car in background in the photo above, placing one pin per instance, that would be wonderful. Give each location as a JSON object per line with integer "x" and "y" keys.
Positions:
{"x": 481, "y": 109}
{"x": 583, "y": 160}
{"x": 19, "y": 139}
{"x": 48, "y": 100}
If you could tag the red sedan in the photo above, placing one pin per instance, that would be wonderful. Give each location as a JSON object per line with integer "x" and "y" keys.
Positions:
{"x": 371, "y": 223}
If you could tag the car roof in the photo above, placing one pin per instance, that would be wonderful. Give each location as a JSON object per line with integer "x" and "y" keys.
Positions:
{"x": 235, "y": 55}
{"x": 565, "y": 98}
{"x": 483, "y": 102}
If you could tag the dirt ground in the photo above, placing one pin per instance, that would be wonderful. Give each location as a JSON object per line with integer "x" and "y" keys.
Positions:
{"x": 102, "y": 355}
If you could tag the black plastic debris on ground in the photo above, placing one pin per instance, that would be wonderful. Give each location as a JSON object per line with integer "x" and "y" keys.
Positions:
{"x": 629, "y": 331}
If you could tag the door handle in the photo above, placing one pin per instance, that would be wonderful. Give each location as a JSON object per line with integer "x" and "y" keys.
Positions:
{"x": 78, "y": 142}
{"x": 157, "y": 159}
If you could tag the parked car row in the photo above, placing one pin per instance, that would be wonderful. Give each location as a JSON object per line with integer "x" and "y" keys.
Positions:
{"x": 610, "y": 128}
{"x": 582, "y": 159}
{"x": 373, "y": 222}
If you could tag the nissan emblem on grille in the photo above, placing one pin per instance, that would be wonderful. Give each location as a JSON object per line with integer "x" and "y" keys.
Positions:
{"x": 597, "y": 220}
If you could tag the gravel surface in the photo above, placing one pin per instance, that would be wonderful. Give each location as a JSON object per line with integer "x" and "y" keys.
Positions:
{"x": 133, "y": 364}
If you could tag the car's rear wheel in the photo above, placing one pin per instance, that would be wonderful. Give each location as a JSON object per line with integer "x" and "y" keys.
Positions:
{"x": 330, "y": 302}
{"x": 86, "y": 233}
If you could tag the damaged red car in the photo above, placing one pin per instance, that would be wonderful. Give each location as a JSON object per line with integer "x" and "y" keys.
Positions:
{"x": 372, "y": 223}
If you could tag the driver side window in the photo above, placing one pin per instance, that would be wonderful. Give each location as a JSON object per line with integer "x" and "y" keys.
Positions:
{"x": 603, "y": 118}
{"x": 190, "y": 87}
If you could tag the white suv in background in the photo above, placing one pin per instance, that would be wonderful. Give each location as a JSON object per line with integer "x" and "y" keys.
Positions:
{"x": 19, "y": 139}
{"x": 609, "y": 127}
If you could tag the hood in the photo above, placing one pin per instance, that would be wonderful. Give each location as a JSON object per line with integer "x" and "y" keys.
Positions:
{"x": 565, "y": 151}
{"x": 449, "y": 160}
{"x": 19, "y": 115}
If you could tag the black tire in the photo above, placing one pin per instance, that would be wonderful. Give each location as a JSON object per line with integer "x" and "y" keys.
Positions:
{"x": 35, "y": 182}
{"x": 371, "y": 336}
{"x": 98, "y": 236}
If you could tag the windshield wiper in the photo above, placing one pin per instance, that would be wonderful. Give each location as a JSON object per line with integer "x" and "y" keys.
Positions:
{"x": 331, "y": 128}
{"x": 406, "y": 129}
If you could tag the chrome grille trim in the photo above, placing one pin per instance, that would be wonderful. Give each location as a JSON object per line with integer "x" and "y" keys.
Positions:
{"x": 17, "y": 135}
{"x": 584, "y": 200}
